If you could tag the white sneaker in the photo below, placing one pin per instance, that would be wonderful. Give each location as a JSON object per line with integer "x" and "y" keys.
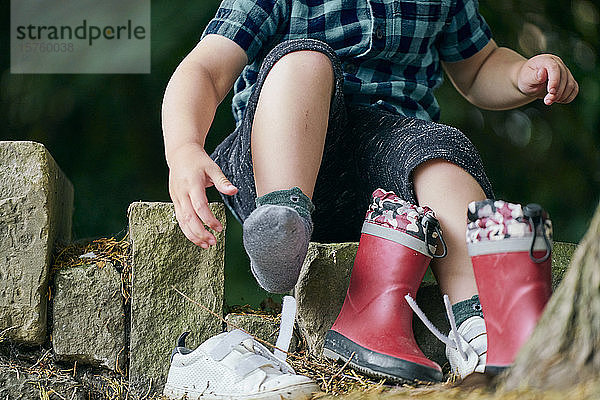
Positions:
{"x": 232, "y": 365}
{"x": 473, "y": 339}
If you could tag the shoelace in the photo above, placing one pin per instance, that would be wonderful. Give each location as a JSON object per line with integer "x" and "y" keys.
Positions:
{"x": 455, "y": 343}
{"x": 286, "y": 327}
{"x": 262, "y": 357}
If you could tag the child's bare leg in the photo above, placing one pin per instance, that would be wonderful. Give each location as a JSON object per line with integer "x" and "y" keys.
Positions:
{"x": 290, "y": 123}
{"x": 448, "y": 189}
{"x": 288, "y": 136}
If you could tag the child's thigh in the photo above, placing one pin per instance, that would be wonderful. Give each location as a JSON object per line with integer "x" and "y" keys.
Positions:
{"x": 390, "y": 147}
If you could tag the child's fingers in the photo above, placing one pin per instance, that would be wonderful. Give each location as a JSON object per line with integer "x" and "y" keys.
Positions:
{"x": 551, "y": 79}
{"x": 554, "y": 93}
{"x": 200, "y": 205}
{"x": 562, "y": 86}
{"x": 222, "y": 184}
{"x": 541, "y": 75}
{"x": 553, "y": 70}
{"x": 190, "y": 225}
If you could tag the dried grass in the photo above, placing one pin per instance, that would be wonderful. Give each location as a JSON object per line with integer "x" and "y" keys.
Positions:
{"x": 333, "y": 378}
{"x": 246, "y": 309}
{"x": 51, "y": 381}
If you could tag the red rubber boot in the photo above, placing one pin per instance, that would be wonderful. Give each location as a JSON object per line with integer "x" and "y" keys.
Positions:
{"x": 374, "y": 327}
{"x": 510, "y": 249}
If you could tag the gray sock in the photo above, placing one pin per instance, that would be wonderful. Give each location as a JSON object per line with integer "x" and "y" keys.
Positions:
{"x": 276, "y": 237}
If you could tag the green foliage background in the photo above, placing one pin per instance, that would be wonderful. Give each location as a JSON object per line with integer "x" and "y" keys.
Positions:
{"x": 104, "y": 130}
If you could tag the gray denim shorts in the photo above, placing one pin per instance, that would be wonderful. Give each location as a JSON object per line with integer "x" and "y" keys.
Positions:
{"x": 367, "y": 147}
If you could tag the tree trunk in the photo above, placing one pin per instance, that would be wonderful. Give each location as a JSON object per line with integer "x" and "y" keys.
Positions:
{"x": 565, "y": 347}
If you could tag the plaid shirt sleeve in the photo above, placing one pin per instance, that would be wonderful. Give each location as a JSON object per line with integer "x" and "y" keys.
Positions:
{"x": 249, "y": 23}
{"x": 465, "y": 33}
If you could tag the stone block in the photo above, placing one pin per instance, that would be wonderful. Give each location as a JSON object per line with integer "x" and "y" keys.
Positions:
{"x": 321, "y": 290}
{"x": 36, "y": 207}
{"x": 88, "y": 319}
{"x": 162, "y": 258}
{"x": 263, "y": 327}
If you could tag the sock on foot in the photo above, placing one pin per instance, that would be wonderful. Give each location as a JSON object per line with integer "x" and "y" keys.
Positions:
{"x": 276, "y": 238}
{"x": 463, "y": 310}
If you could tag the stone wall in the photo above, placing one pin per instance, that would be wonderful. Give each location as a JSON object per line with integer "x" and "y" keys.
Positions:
{"x": 93, "y": 324}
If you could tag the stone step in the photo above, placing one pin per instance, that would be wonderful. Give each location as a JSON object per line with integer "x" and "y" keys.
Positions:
{"x": 88, "y": 316}
{"x": 36, "y": 207}
{"x": 321, "y": 289}
{"x": 162, "y": 257}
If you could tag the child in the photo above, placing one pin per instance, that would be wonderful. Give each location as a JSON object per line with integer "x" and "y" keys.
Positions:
{"x": 332, "y": 100}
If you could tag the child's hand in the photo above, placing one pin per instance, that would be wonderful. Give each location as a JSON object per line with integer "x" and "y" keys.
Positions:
{"x": 191, "y": 171}
{"x": 546, "y": 76}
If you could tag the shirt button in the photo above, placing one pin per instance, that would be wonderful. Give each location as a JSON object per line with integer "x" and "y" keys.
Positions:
{"x": 379, "y": 33}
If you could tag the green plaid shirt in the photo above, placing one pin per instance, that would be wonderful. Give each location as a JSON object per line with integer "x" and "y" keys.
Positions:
{"x": 390, "y": 49}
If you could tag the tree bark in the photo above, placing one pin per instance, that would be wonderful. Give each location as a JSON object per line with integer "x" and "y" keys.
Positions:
{"x": 564, "y": 349}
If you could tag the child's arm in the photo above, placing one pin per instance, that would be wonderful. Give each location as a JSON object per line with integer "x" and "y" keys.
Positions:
{"x": 498, "y": 78}
{"x": 197, "y": 86}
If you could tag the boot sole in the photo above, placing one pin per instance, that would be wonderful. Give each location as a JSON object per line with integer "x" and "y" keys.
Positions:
{"x": 495, "y": 370}
{"x": 337, "y": 347}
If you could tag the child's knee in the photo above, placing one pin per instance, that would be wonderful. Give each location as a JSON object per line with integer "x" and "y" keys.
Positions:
{"x": 438, "y": 166}
{"x": 305, "y": 65}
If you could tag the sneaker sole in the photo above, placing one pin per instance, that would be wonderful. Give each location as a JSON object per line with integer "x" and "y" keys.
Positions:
{"x": 296, "y": 392}
{"x": 337, "y": 347}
